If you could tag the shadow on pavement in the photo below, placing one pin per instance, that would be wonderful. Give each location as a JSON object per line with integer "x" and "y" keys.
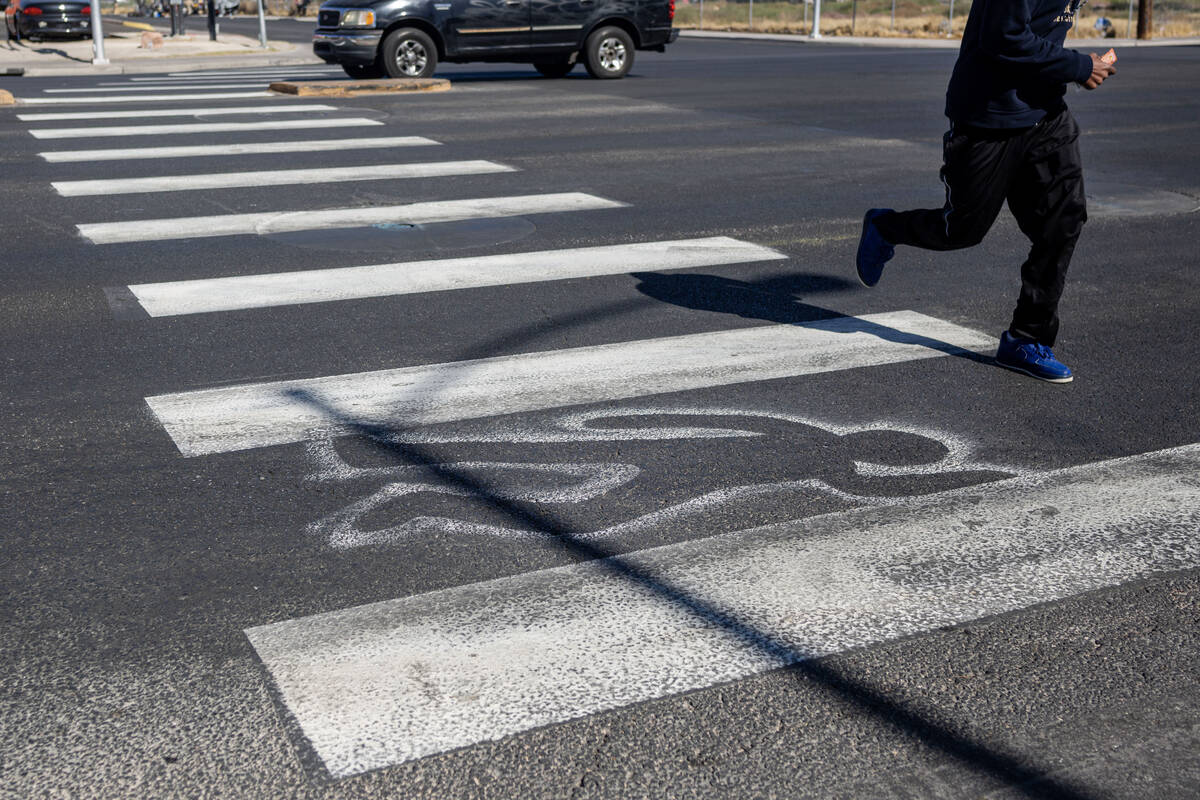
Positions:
{"x": 1021, "y": 776}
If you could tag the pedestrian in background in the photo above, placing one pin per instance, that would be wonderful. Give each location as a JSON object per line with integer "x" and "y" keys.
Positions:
{"x": 1011, "y": 138}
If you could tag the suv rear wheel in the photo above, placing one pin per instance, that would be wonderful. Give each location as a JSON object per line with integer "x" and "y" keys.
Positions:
{"x": 409, "y": 53}
{"x": 608, "y": 53}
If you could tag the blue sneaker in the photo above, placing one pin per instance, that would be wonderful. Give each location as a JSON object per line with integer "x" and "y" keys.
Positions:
{"x": 873, "y": 250}
{"x": 1031, "y": 358}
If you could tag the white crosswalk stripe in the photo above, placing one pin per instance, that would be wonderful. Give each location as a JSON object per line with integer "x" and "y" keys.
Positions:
{"x": 175, "y": 112}
{"x": 398, "y": 680}
{"x": 276, "y": 222}
{"x": 379, "y": 280}
{"x": 209, "y": 74}
{"x": 264, "y": 414}
{"x": 279, "y": 177}
{"x": 110, "y": 88}
{"x": 94, "y": 132}
{"x": 124, "y": 98}
{"x": 253, "y": 148}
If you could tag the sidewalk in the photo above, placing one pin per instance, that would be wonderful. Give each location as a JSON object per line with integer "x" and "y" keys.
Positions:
{"x": 936, "y": 44}
{"x": 122, "y": 46}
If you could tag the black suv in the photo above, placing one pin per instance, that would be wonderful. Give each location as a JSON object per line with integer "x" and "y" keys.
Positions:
{"x": 407, "y": 38}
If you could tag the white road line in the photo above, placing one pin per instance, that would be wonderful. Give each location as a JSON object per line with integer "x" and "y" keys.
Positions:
{"x": 402, "y": 679}
{"x": 263, "y": 414}
{"x": 174, "y": 112}
{"x": 240, "y": 73}
{"x": 254, "y": 148}
{"x": 200, "y": 127}
{"x": 268, "y": 222}
{"x": 279, "y": 177}
{"x": 185, "y": 78}
{"x": 107, "y": 99}
{"x": 181, "y": 81}
{"x": 380, "y": 280}
{"x": 164, "y": 87}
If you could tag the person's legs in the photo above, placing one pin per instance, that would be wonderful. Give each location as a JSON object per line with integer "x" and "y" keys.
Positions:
{"x": 977, "y": 169}
{"x": 1046, "y": 197}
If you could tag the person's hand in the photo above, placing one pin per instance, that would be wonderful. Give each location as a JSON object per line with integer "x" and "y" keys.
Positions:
{"x": 1100, "y": 71}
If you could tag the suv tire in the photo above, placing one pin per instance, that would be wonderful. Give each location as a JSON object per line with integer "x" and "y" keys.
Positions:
{"x": 608, "y": 53}
{"x": 409, "y": 53}
{"x": 554, "y": 69}
{"x": 361, "y": 72}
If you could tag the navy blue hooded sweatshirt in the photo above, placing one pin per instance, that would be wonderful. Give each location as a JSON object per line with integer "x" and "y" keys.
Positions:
{"x": 1012, "y": 68}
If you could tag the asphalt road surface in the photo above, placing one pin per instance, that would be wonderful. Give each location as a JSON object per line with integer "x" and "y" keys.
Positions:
{"x": 535, "y": 440}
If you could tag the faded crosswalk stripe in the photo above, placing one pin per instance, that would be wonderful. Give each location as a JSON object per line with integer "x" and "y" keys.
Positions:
{"x": 107, "y": 99}
{"x": 263, "y": 414}
{"x": 378, "y": 280}
{"x": 200, "y": 127}
{"x": 398, "y": 680}
{"x": 251, "y": 148}
{"x": 174, "y": 112}
{"x": 279, "y": 177}
{"x": 165, "y": 87}
{"x": 267, "y": 222}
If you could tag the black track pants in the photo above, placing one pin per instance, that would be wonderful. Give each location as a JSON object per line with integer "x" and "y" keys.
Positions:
{"x": 1039, "y": 172}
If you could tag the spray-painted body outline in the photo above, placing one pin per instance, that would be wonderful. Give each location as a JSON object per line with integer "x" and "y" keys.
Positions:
{"x": 579, "y": 481}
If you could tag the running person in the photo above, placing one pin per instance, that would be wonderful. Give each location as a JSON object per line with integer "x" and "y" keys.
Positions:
{"x": 1011, "y": 138}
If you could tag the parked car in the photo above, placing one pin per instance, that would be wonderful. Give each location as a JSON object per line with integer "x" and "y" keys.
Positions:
{"x": 408, "y": 38}
{"x": 42, "y": 19}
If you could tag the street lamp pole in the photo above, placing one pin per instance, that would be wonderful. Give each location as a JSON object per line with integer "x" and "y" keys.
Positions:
{"x": 97, "y": 36}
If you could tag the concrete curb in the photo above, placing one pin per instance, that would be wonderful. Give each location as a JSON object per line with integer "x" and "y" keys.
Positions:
{"x": 356, "y": 88}
{"x": 932, "y": 44}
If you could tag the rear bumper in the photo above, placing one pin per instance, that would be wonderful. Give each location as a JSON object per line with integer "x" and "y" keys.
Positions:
{"x": 64, "y": 25}
{"x": 658, "y": 38}
{"x": 336, "y": 47}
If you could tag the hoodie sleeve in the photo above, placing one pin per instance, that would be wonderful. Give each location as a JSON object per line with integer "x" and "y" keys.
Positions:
{"x": 1006, "y": 36}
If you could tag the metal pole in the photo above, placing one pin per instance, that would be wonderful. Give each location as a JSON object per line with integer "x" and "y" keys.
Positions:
{"x": 805, "y": 4}
{"x": 97, "y": 36}
{"x": 262, "y": 27}
{"x": 816, "y": 31}
{"x": 893, "y": 14}
{"x": 853, "y": 16}
{"x": 212, "y": 20}
{"x": 751, "y": 14}
{"x": 702, "y": 14}
{"x": 1129, "y": 24}
{"x": 951, "y": 17}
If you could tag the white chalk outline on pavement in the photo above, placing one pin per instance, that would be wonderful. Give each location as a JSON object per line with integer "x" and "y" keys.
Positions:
{"x": 379, "y": 280}
{"x": 281, "y": 412}
{"x": 108, "y": 99}
{"x": 277, "y": 177}
{"x": 345, "y": 528}
{"x": 173, "y": 129}
{"x": 403, "y": 679}
{"x": 274, "y": 222}
{"x": 175, "y": 112}
{"x": 249, "y": 148}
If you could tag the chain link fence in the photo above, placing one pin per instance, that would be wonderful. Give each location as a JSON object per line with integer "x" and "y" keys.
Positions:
{"x": 919, "y": 18}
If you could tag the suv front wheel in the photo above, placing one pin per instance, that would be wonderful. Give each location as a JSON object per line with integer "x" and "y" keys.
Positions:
{"x": 608, "y": 53}
{"x": 409, "y": 53}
